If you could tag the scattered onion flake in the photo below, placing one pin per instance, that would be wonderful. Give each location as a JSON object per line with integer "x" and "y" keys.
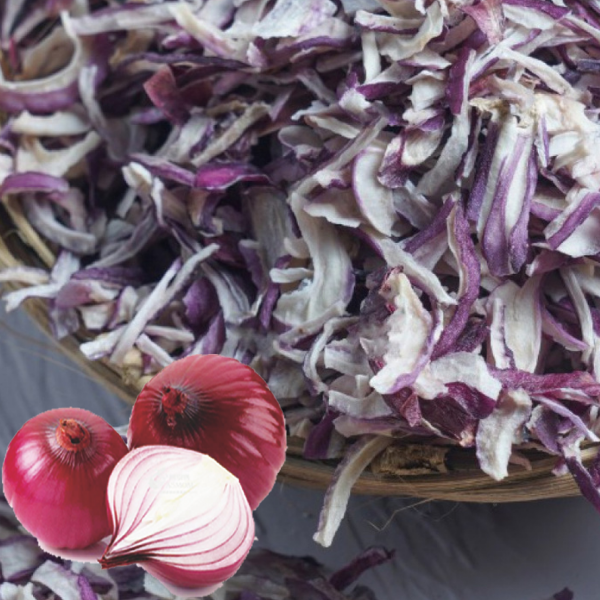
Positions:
{"x": 304, "y": 186}
{"x": 27, "y": 574}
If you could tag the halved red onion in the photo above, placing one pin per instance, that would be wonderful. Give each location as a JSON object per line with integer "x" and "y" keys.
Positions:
{"x": 179, "y": 515}
{"x": 220, "y": 407}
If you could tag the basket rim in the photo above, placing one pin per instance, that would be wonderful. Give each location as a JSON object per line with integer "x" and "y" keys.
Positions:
{"x": 21, "y": 245}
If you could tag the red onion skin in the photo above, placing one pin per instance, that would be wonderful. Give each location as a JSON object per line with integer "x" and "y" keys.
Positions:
{"x": 55, "y": 477}
{"x": 220, "y": 407}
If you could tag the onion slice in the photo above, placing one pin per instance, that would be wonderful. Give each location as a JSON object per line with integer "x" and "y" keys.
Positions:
{"x": 180, "y": 516}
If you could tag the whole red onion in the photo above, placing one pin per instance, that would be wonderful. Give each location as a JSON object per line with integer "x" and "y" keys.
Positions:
{"x": 55, "y": 476}
{"x": 220, "y": 407}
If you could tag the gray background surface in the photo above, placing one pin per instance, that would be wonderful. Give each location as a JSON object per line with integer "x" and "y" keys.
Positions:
{"x": 444, "y": 551}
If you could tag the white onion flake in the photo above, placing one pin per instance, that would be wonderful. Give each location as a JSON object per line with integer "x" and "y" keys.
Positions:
{"x": 390, "y": 210}
{"x": 349, "y": 470}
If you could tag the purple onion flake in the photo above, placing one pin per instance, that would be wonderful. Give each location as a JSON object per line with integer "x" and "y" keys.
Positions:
{"x": 264, "y": 575}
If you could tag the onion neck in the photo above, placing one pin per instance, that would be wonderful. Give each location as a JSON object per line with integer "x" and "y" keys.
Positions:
{"x": 120, "y": 560}
{"x": 72, "y": 435}
{"x": 174, "y": 402}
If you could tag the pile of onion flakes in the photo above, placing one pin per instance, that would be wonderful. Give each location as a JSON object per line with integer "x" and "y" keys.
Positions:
{"x": 388, "y": 208}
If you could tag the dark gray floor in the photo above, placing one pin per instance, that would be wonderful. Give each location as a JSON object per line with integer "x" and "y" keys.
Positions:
{"x": 444, "y": 551}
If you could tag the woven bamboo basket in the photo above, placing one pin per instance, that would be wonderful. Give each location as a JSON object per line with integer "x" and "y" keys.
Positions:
{"x": 409, "y": 470}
